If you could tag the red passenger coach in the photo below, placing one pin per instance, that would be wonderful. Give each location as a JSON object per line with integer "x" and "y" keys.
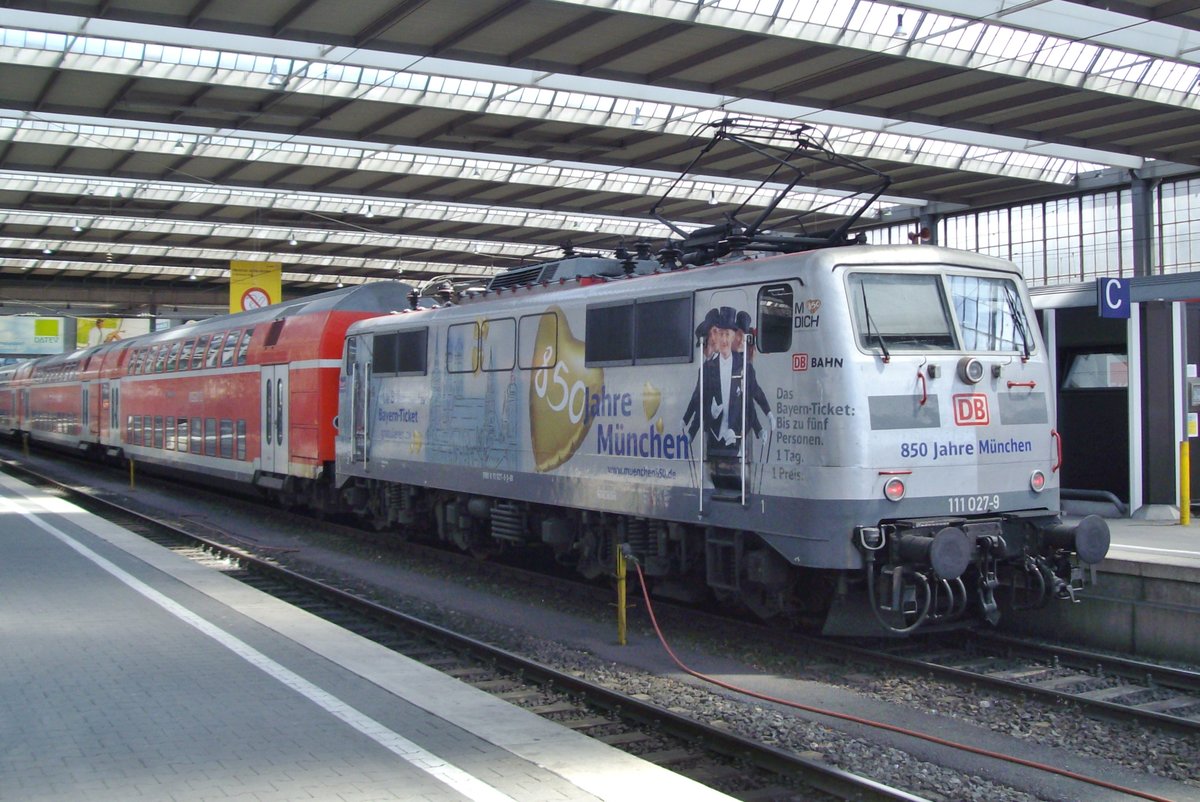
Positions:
{"x": 249, "y": 398}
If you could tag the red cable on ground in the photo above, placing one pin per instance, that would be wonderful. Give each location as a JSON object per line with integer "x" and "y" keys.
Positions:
{"x": 879, "y": 724}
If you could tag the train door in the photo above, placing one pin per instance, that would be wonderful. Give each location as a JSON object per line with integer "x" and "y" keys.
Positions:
{"x": 720, "y": 414}
{"x": 274, "y": 435}
{"x": 100, "y": 429}
{"x": 360, "y": 379}
{"x": 114, "y": 414}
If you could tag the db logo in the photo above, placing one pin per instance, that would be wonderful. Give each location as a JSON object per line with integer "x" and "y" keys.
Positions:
{"x": 971, "y": 409}
{"x": 799, "y": 361}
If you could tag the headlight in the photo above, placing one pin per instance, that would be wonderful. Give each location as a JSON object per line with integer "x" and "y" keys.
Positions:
{"x": 970, "y": 370}
{"x": 1037, "y": 482}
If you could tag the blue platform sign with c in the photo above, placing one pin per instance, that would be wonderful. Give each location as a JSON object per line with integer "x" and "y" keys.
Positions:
{"x": 1113, "y": 297}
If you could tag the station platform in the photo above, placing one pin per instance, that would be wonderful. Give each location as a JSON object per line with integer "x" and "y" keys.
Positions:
{"x": 1145, "y": 599}
{"x": 129, "y": 672}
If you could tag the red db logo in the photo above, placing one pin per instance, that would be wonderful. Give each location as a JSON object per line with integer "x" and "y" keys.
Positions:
{"x": 971, "y": 409}
{"x": 799, "y": 361}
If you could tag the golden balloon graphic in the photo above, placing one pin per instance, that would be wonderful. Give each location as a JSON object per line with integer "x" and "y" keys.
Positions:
{"x": 418, "y": 441}
{"x": 559, "y": 394}
{"x": 658, "y": 426}
{"x": 651, "y": 398}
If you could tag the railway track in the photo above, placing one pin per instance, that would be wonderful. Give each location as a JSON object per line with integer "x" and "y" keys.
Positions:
{"x": 1103, "y": 684}
{"x": 738, "y": 766}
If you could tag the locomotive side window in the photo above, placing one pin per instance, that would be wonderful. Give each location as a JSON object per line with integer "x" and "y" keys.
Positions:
{"x": 462, "y": 348}
{"x": 537, "y": 338}
{"x": 385, "y": 356}
{"x": 774, "y": 319}
{"x": 991, "y": 314}
{"x": 609, "y": 338}
{"x": 198, "y": 354}
{"x": 663, "y": 330}
{"x": 499, "y": 344}
{"x": 900, "y": 312}
{"x": 401, "y": 353}
{"x": 244, "y": 346}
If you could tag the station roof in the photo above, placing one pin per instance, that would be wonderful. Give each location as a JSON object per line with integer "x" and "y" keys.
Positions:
{"x": 144, "y": 145}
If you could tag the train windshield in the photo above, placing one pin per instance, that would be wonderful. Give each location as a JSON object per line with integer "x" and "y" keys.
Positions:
{"x": 912, "y": 313}
{"x": 990, "y": 313}
{"x": 900, "y": 312}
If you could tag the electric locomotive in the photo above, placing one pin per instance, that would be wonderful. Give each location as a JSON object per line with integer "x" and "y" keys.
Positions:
{"x": 855, "y": 435}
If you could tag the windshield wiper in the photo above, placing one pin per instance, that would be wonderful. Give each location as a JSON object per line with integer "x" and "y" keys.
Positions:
{"x": 1018, "y": 319}
{"x": 887, "y": 357}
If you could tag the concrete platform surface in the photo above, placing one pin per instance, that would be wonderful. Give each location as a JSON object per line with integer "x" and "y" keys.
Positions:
{"x": 1145, "y": 601}
{"x": 128, "y": 672}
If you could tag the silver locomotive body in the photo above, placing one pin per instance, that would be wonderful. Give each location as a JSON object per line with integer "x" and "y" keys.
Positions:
{"x": 862, "y": 430}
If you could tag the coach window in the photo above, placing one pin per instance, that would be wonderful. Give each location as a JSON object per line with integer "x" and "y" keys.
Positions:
{"x": 185, "y": 356}
{"x": 227, "y": 438}
{"x": 123, "y": 357}
{"x": 197, "y": 436}
{"x": 499, "y": 346}
{"x": 173, "y": 357}
{"x": 241, "y": 439}
{"x": 198, "y": 354}
{"x": 230, "y": 348}
{"x": 462, "y": 348}
{"x": 160, "y": 358}
{"x": 537, "y": 338}
{"x": 210, "y": 437}
{"x": 244, "y": 346}
{"x": 158, "y": 431}
{"x": 181, "y": 440}
{"x": 169, "y": 435}
{"x": 273, "y": 332}
{"x": 214, "y": 350}
{"x": 114, "y": 408}
{"x": 663, "y": 330}
{"x": 609, "y": 335}
{"x": 133, "y": 430}
{"x": 774, "y": 319}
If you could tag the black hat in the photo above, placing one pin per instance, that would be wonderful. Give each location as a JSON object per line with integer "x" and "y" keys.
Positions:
{"x": 726, "y": 318}
{"x": 706, "y": 325}
{"x": 743, "y": 322}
